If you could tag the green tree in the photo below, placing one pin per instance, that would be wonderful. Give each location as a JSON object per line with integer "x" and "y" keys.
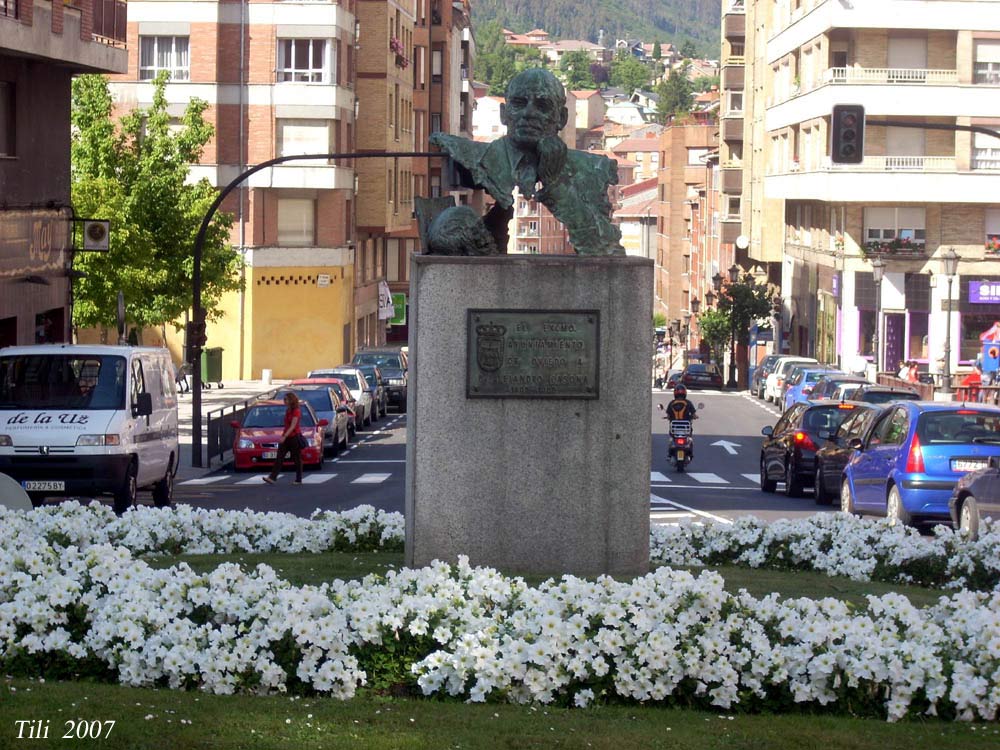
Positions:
{"x": 657, "y": 50}
{"x": 674, "y": 94}
{"x": 134, "y": 173}
{"x": 575, "y": 68}
{"x": 495, "y": 61}
{"x": 745, "y": 303}
{"x": 629, "y": 74}
{"x": 704, "y": 83}
{"x": 688, "y": 50}
{"x": 714, "y": 328}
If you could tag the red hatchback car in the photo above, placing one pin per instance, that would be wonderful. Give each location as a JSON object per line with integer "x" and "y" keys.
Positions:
{"x": 256, "y": 442}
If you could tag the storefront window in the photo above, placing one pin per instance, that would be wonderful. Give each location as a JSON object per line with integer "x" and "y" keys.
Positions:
{"x": 918, "y": 336}
{"x": 866, "y": 332}
{"x": 973, "y": 326}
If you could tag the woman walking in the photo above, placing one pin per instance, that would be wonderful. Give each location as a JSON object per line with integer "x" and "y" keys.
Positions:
{"x": 291, "y": 440}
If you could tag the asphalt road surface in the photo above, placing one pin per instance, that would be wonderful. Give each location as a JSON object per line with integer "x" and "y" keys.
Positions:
{"x": 720, "y": 484}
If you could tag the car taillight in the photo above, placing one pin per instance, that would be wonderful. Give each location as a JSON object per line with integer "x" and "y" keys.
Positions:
{"x": 804, "y": 441}
{"x": 915, "y": 461}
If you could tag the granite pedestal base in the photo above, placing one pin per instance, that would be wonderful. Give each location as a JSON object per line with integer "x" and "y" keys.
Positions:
{"x": 529, "y": 485}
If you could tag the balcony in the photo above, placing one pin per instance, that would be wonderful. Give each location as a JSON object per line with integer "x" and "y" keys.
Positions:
{"x": 109, "y": 22}
{"x": 732, "y": 127}
{"x": 913, "y": 179}
{"x": 901, "y": 92}
{"x": 732, "y": 178}
{"x": 104, "y": 52}
{"x": 734, "y": 60}
{"x": 731, "y": 228}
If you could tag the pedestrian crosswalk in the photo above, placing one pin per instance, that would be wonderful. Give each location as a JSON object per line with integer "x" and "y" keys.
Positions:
{"x": 680, "y": 480}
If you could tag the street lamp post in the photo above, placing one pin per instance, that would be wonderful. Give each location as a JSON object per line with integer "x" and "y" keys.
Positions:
{"x": 950, "y": 259}
{"x": 686, "y": 336}
{"x": 710, "y": 298}
{"x": 878, "y": 271}
{"x": 734, "y": 277}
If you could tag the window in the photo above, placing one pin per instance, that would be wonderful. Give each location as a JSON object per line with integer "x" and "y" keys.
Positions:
{"x": 296, "y": 222}
{"x": 304, "y": 137}
{"x": 7, "y": 140}
{"x": 169, "y": 53}
{"x": 985, "y": 151}
{"x": 733, "y": 205}
{"x": 436, "y": 56}
{"x": 735, "y": 101}
{"x": 435, "y": 186}
{"x": 695, "y": 156}
{"x": 993, "y": 224}
{"x": 885, "y": 224}
{"x": 436, "y": 122}
{"x": 305, "y": 61}
{"x": 987, "y": 66}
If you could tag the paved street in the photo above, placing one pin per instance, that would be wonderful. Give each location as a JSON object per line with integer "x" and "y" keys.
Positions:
{"x": 720, "y": 484}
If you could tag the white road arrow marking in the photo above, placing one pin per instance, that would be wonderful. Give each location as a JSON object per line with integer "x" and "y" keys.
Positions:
{"x": 730, "y": 447}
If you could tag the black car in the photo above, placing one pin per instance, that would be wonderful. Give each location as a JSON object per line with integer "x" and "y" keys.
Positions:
{"x": 881, "y": 394}
{"x": 701, "y": 376}
{"x": 760, "y": 374}
{"x": 789, "y": 451}
{"x": 976, "y": 496}
{"x": 377, "y": 381}
{"x": 827, "y": 385}
{"x": 835, "y": 452}
{"x": 393, "y": 364}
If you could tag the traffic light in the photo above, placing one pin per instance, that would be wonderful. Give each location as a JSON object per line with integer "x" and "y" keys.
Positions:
{"x": 847, "y": 134}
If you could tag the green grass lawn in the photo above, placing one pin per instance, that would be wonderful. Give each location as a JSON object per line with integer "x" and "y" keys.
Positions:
{"x": 165, "y": 719}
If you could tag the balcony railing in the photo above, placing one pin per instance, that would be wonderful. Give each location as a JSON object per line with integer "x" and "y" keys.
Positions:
{"x": 892, "y": 76}
{"x": 735, "y": 6}
{"x": 985, "y": 162}
{"x": 110, "y": 17}
{"x": 735, "y": 60}
{"x": 899, "y": 164}
{"x": 8, "y": 8}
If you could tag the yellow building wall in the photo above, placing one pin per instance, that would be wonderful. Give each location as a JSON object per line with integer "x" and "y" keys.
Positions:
{"x": 297, "y": 325}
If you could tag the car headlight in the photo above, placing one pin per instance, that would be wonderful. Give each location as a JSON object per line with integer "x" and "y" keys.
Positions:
{"x": 245, "y": 443}
{"x": 5, "y": 441}
{"x": 98, "y": 440}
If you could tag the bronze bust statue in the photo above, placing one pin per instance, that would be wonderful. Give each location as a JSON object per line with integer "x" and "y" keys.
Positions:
{"x": 572, "y": 184}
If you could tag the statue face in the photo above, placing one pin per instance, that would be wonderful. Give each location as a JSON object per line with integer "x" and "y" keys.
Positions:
{"x": 533, "y": 111}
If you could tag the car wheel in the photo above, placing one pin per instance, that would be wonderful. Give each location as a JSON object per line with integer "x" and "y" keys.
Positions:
{"x": 968, "y": 518}
{"x": 125, "y": 497}
{"x": 163, "y": 491}
{"x": 894, "y": 508}
{"x": 847, "y": 499}
{"x": 793, "y": 485}
{"x": 767, "y": 485}
{"x": 819, "y": 487}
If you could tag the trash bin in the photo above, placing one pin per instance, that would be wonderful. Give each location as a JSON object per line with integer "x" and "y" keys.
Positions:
{"x": 211, "y": 367}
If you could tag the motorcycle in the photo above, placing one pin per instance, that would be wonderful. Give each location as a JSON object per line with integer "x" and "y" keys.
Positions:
{"x": 681, "y": 446}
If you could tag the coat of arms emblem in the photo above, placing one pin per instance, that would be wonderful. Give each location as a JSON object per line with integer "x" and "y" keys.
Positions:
{"x": 489, "y": 346}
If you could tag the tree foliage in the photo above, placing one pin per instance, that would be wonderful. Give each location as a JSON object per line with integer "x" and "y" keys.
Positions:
{"x": 629, "y": 74}
{"x": 704, "y": 83}
{"x": 134, "y": 173}
{"x": 575, "y": 69}
{"x": 745, "y": 303}
{"x": 657, "y": 50}
{"x": 688, "y": 49}
{"x": 600, "y": 74}
{"x": 714, "y": 329}
{"x": 675, "y": 94}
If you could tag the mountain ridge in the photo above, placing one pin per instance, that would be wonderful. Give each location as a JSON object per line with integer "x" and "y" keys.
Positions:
{"x": 674, "y": 21}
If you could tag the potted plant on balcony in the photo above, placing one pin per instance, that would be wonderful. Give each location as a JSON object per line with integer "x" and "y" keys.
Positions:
{"x": 993, "y": 244}
{"x": 897, "y": 246}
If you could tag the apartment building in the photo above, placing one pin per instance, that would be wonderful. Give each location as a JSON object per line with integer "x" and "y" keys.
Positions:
{"x": 685, "y": 146}
{"x": 443, "y": 101}
{"x": 279, "y": 81}
{"x": 921, "y": 191}
{"x": 385, "y": 114}
{"x": 42, "y": 46}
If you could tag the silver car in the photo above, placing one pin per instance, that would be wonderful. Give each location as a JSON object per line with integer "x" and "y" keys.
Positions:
{"x": 356, "y": 384}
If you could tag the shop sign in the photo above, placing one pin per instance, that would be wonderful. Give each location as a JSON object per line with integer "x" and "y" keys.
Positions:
{"x": 399, "y": 309}
{"x": 984, "y": 292}
{"x": 33, "y": 242}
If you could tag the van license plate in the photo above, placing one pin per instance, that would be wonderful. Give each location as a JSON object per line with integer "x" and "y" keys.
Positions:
{"x": 968, "y": 464}
{"x": 270, "y": 454}
{"x": 44, "y": 486}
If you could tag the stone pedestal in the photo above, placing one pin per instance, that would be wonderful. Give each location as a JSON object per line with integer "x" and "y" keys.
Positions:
{"x": 545, "y": 485}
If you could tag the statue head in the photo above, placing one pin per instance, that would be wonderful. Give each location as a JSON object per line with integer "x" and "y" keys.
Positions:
{"x": 535, "y": 107}
{"x": 458, "y": 230}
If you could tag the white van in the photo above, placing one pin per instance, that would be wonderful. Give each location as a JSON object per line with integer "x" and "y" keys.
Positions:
{"x": 84, "y": 421}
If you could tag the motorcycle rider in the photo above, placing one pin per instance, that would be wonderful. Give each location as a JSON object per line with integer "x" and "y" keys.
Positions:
{"x": 681, "y": 409}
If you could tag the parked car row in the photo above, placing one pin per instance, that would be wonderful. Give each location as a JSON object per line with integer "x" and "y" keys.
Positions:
{"x": 912, "y": 461}
{"x": 336, "y": 403}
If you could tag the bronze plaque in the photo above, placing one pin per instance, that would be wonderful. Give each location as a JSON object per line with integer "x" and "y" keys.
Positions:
{"x": 533, "y": 354}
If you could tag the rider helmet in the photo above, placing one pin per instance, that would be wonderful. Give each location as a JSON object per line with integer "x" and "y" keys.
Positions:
{"x": 680, "y": 392}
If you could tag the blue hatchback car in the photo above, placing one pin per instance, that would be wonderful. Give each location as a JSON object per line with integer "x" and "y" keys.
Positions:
{"x": 907, "y": 464}
{"x": 801, "y": 386}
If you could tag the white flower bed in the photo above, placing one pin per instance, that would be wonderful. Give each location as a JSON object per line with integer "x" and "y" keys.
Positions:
{"x": 69, "y": 594}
